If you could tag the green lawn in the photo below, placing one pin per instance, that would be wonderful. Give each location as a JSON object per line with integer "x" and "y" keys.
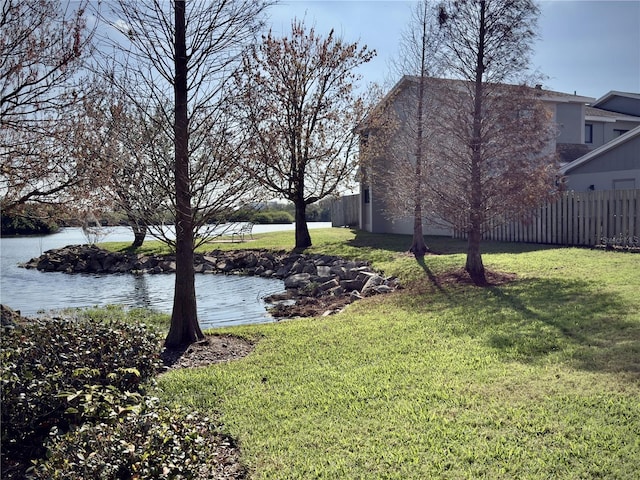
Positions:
{"x": 537, "y": 378}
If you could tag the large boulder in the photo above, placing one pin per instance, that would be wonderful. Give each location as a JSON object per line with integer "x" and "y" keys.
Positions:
{"x": 10, "y": 317}
{"x": 373, "y": 281}
{"x": 297, "y": 280}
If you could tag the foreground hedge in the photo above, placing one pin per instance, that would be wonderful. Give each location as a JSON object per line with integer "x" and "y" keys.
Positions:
{"x": 59, "y": 373}
{"x": 152, "y": 443}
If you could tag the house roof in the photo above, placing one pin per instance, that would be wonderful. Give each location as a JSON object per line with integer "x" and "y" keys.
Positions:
{"x": 600, "y": 115}
{"x": 615, "y": 93}
{"x": 630, "y": 135}
{"x": 546, "y": 95}
{"x": 562, "y": 97}
{"x": 568, "y": 152}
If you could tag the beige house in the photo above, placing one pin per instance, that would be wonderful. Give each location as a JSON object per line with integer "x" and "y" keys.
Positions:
{"x": 569, "y": 111}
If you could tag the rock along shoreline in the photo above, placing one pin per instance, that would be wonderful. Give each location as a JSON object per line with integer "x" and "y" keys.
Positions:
{"x": 314, "y": 284}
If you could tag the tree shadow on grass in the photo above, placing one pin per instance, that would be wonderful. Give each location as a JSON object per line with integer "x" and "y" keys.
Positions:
{"x": 431, "y": 276}
{"x": 438, "y": 244}
{"x": 540, "y": 317}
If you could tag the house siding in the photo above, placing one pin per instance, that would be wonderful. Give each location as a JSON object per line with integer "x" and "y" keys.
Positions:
{"x": 604, "y": 132}
{"x": 616, "y": 103}
{"x": 569, "y": 116}
{"x": 569, "y": 119}
{"x": 620, "y": 165}
{"x": 373, "y": 205}
{"x": 598, "y": 134}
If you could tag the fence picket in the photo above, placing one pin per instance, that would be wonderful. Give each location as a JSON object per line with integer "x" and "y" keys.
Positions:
{"x": 576, "y": 218}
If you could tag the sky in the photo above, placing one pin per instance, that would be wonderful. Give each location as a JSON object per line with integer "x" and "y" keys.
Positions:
{"x": 589, "y": 47}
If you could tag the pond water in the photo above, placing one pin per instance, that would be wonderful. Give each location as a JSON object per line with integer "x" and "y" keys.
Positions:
{"x": 222, "y": 299}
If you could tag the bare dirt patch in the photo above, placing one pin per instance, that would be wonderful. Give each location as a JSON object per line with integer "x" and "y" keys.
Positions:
{"x": 461, "y": 277}
{"x": 213, "y": 349}
{"x": 458, "y": 278}
{"x": 310, "y": 307}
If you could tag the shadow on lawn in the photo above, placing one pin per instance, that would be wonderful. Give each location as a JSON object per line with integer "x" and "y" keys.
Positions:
{"x": 438, "y": 244}
{"x": 431, "y": 276}
{"x": 539, "y": 317}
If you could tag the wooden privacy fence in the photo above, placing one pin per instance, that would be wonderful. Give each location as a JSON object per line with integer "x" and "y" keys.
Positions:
{"x": 345, "y": 211}
{"x": 578, "y": 218}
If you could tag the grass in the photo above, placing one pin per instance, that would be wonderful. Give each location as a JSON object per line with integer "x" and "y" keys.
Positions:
{"x": 537, "y": 378}
{"x": 283, "y": 240}
{"x": 156, "y": 321}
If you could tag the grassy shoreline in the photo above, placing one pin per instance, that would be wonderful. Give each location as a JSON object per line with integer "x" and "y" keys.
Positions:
{"x": 536, "y": 378}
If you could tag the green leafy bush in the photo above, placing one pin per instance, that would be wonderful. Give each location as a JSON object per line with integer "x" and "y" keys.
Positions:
{"x": 154, "y": 443}
{"x": 26, "y": 225}
{"x": 58, "y": 373}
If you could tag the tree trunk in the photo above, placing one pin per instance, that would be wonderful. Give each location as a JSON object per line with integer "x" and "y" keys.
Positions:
{"x": 184, "y": 328}
{"x": 418, "y": 246}
{"x": 303, "y": 239}
{"x": 474, "y": 265}
{"x": 139, "y": 234}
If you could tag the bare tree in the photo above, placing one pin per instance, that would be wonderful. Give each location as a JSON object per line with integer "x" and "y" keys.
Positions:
{"x": 176, "y": 60}
{"x": 496, "y": 141}
{"x": 42, "y": 45}
{"x": 131, "y": 149}
{"x": 408, "y": 168}
{"x": 42, "y": 48}
{"x": 300, "y": 107}
{"x": 139, "y": 169}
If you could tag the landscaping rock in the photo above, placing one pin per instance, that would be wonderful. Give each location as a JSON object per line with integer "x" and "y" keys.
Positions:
{"x": 297, "y": 280}
{"x": 10, "y": 317}
{"x": 323, "y": 271}
{"x": 317, "y": 283}
{"x": 328, "y": 285}
{"x": 373, "y": 281}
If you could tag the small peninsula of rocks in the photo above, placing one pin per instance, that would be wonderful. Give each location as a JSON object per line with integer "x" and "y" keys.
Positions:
{"x": 314, "y": 284}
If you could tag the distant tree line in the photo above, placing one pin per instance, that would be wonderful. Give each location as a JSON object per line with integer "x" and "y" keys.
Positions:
{"x": 27, "y": 222}
{"x": 36, "y": 221}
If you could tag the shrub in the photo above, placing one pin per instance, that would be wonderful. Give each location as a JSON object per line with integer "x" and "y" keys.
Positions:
{"x": 57, "y": 373}
{"x": 154, "y": 443}
{"x": 153, "y": 320}
{"x": 26, "y": 225}
{"x": 273, "y": 216}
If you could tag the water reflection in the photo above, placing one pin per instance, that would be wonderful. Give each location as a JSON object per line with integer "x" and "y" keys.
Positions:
{"x": 141, "y": 290}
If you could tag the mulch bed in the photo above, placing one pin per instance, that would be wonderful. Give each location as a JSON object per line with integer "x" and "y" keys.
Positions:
{"x": 213, "y": 349}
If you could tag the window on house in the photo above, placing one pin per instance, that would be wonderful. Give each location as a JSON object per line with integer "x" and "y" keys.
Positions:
{"x": 588, "y": 133}
{"x": 367, "y": 199}
{"x": 617, "y": 132}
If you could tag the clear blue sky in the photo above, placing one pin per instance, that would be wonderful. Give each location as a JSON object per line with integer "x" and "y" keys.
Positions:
{"x": 587, "y": 46}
